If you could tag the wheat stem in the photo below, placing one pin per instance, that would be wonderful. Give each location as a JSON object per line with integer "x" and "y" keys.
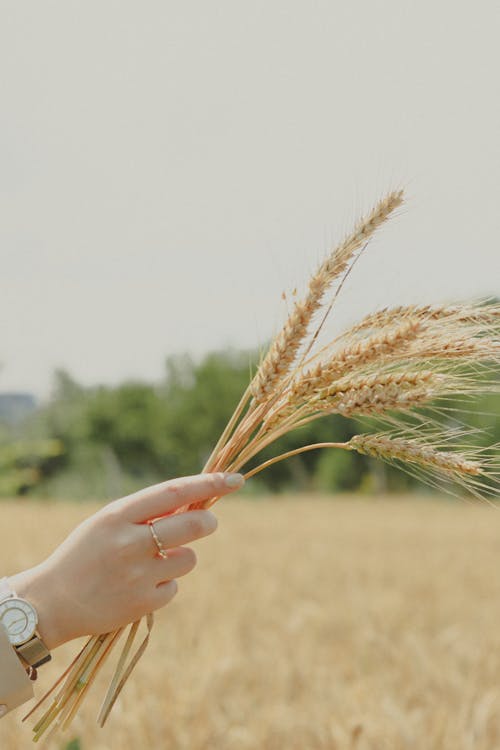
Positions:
{"x": 227, "y": 431}
{"x": 288, "y": 454}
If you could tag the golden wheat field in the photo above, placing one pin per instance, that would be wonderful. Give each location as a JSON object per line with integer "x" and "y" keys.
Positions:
{"x": 309, "y": 623}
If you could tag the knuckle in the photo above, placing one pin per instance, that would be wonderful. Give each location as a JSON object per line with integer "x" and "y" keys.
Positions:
{"x": 190, "y": 558}
{"x": 216, "y": 482}
{"x": 124, "y": 543}
{"x": 212, "y": 521}
{"x": 111, "y": 513}
{"x": 174, "y": 488}
{"x": 106, "y": 519}
{"x": 134, "y": 574}
{"x": 164, "y": 594}
{"x": 196, "y": 526}
{"x": 141, "y": 605}
{"x": 172, "y": 589}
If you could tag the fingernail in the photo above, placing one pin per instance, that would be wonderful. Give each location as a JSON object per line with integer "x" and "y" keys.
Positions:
{"x": 234, "y": 480}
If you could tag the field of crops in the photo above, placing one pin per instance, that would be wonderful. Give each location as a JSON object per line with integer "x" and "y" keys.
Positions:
{"x": 350, "y": 624}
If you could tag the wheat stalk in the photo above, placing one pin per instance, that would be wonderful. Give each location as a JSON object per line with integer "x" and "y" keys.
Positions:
{"x": 393, "y": 362}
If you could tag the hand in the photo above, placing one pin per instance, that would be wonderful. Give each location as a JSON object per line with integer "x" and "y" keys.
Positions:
{"x": 107, "y": 572}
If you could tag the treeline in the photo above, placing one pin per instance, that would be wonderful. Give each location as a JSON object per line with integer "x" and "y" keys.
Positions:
{"x": 106, "y": 441}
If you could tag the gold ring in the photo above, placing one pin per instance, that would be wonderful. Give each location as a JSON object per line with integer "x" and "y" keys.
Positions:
{"x": 161, "y": 551}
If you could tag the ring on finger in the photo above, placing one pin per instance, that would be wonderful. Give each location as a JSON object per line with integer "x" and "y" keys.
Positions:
{"x": 161, "y": 550}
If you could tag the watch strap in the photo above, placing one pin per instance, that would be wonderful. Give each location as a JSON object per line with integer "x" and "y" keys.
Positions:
{"x": 34, "y": 652}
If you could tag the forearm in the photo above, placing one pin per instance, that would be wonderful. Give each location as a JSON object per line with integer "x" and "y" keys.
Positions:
{"x": 15, "y": 686}
{"x": 34, "y": 586}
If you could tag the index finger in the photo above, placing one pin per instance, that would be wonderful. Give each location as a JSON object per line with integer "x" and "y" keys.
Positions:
{"x": 162, "y": 499}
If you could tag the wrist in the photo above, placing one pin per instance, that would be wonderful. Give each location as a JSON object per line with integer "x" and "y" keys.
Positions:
{"x": 35, "y": 586}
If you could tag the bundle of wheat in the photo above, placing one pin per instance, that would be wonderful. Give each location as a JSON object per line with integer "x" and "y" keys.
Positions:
{"x": 398, "y": 365}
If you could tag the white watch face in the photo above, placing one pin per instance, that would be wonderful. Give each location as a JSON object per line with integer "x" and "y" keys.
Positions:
{"x": 19, "y": 619}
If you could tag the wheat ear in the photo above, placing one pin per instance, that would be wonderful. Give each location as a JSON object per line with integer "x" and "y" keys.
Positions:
{"x": 416, "y": 452}
{"x": 381, "y": 347}
{"x": 482, "y": 314}
{"x": 284, "y": 348}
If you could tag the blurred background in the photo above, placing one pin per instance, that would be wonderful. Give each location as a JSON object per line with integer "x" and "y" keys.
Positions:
{"x": 170, "y": 174}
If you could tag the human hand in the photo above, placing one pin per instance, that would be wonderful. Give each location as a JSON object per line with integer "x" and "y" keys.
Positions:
{"x": 107, "y": 572}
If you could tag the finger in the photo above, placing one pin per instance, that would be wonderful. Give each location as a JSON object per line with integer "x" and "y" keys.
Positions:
{"x": 174, "y": 531}
{"x": 161, "y": 595}
{"x": 161, "y": 499}
{"x": 180, "y": 562}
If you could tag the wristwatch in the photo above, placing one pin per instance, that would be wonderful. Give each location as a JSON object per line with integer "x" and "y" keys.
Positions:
{"x": 20, "y": 619}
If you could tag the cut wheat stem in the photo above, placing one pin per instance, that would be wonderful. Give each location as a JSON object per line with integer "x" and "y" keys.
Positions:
{"x": 128, "y": 670}
{"x": 105, "y": 707}
{"x": 107, "y": 646}
{"x": 56, "y": 683}
{"x": 69, "y": 687}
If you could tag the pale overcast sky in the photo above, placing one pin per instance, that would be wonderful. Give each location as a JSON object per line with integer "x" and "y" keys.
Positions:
{"x": 169, "y": 168}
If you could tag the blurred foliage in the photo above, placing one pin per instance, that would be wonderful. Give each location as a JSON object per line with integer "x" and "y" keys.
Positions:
{"x": 24, "y": 464}
{"x": 106, "y": 441}
{"x": 73, "y": 744}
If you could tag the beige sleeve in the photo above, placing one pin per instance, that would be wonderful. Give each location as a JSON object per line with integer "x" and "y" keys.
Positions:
{"x": 15, "y": 685}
